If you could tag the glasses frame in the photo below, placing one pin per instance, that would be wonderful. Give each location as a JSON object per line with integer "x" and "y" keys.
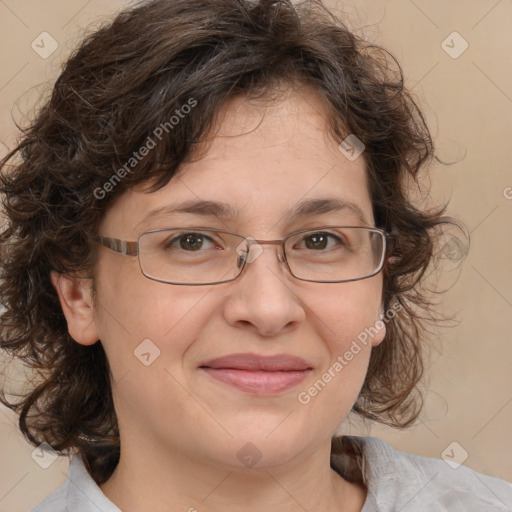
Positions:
{"x": 131, "y": 248}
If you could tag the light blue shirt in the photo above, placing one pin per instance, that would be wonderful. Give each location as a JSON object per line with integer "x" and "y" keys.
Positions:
{"x": 396, "y": 482}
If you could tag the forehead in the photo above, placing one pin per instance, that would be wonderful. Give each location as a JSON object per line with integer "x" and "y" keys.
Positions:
{"x": 263, "y": 162}
{"x": 286, "y": 120}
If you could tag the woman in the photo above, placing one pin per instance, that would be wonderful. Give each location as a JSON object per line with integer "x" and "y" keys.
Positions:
{"x": 211, "y": 258}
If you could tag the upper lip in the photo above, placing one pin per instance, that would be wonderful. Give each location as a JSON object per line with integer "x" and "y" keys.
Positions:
{"x": 254, "y": 362}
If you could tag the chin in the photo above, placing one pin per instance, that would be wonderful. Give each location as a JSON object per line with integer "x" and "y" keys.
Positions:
{"x": 257, "y": 449}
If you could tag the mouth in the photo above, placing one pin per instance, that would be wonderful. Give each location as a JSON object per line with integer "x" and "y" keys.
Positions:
{"x": 258, "y": 374}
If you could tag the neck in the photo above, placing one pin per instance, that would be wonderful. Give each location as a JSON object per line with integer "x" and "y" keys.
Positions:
{"x": 159, "y": 481}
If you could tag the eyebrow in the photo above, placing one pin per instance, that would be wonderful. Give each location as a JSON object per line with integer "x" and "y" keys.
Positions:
{"x": 225, "y": 211}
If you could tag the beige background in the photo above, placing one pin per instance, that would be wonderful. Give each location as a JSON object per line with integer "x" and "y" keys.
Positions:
{"x": 468, "y": 101}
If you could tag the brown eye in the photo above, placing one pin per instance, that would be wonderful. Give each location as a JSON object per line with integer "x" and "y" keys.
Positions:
{"x": 320, "y": 240}
{"x": 190, "y": 242}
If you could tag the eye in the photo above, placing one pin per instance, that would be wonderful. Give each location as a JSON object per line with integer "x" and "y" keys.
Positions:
{"x": 323, "y": 240}
{"x": 190, "y": 242}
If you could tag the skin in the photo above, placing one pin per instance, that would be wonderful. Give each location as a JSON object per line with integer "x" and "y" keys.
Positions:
{"x": 180, "y": 429}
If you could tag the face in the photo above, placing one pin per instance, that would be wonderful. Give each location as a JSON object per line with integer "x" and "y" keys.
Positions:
{"x": 262, "y": 161}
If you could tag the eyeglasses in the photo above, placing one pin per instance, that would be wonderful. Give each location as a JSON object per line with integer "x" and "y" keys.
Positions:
{"x": 201, "y": 256}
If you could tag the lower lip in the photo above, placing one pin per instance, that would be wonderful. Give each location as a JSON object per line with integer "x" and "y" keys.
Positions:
{"x": 258, "y": 382}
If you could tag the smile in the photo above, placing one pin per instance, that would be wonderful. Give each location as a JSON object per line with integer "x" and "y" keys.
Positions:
{"x": 258, "y": 381}
{"x": 258, "y": 374}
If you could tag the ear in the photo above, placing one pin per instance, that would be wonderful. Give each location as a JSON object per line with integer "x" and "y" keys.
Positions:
{"x": 75, "y": 296}
{"x": 380, "y": 325}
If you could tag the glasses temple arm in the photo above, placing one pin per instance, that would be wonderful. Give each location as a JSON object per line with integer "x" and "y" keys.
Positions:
{"x": 120, "y": 246}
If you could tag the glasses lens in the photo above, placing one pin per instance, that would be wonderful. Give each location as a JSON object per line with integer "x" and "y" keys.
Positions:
{"x": 336, "y": 253}
{"x": 188, "y": 256}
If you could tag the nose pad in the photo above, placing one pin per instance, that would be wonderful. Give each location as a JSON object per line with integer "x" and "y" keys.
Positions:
{"x": 245, "y": 256}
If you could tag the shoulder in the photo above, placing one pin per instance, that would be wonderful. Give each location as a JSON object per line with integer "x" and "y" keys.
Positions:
{"x": 55, "y": 502}
{"x": 398, "y": 480}
{"x": 78, "y": 494}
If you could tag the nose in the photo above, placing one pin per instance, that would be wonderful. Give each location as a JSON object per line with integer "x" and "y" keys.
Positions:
{"x": 264, "y": 297}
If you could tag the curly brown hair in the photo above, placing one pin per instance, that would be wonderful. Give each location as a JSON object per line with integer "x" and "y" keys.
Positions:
{"x": 122, "y": 82}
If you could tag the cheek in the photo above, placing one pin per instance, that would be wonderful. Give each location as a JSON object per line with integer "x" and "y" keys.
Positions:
{"x": 349, "y": 312}
{"x": 346, "y": 319}
{"x": 145, "y": 317}
{"x": 146, "y": 336}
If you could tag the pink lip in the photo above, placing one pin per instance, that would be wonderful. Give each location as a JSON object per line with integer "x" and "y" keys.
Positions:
{"x": 258, "y": 374}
